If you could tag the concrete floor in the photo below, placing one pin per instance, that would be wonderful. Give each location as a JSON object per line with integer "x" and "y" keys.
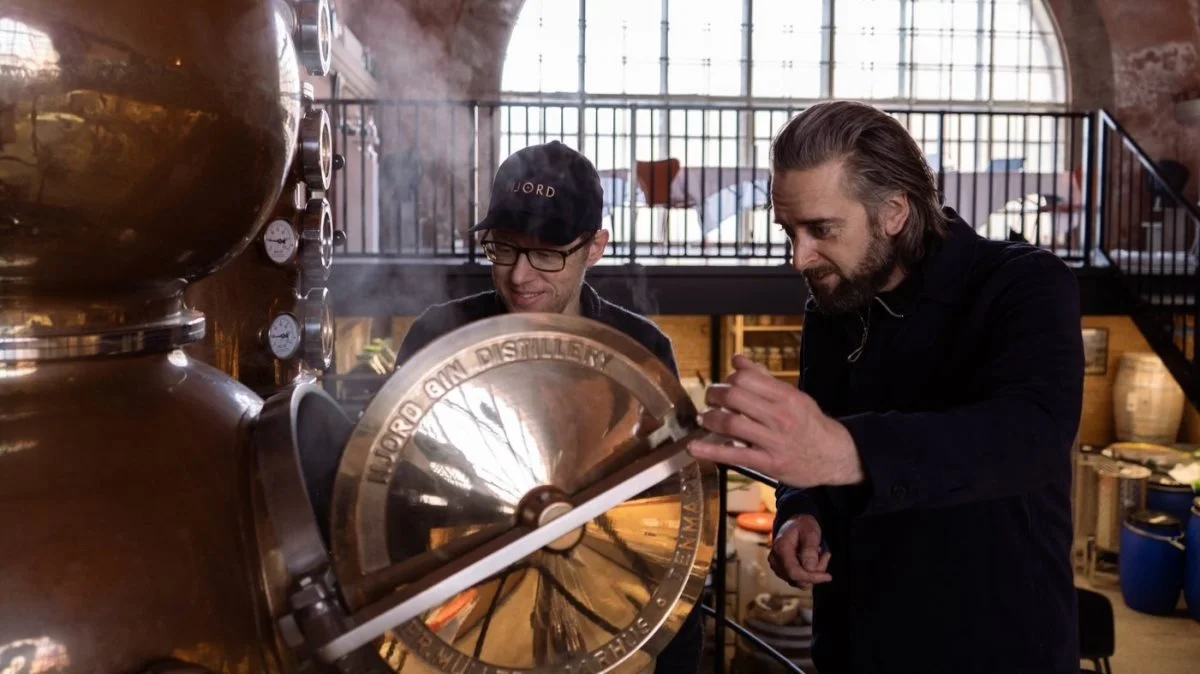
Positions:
{"x": 1144, "y": 644}
{"x": 1149, "y": 644}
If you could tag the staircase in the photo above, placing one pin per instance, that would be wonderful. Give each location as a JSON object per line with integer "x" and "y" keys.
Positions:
{"x": 1148, "y": 233}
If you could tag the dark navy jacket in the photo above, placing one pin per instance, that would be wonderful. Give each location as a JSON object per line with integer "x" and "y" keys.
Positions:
{"x": 955, "y": 555}
{"x": 682, "y": 654}
{"x": 439, "y": 319}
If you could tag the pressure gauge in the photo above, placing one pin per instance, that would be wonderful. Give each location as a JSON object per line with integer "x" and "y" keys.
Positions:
{"x": 280, "y": 241}
{"x": 284, "y": 336}
{"x": 318, "y": 329}
{"x": 316, "y": 243}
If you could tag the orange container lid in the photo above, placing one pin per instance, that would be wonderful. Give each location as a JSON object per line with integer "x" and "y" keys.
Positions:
{"x": 759, "y": 523}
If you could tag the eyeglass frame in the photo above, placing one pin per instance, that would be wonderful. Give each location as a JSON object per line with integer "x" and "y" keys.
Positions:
{"x": 522, "y": 250}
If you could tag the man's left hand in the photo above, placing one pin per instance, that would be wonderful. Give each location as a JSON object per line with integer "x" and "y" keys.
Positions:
{"x": 788, "y": 437}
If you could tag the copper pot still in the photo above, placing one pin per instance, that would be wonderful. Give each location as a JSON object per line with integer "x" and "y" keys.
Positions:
{"x": 142, "y": 146}
{"x": 160, "y": 516}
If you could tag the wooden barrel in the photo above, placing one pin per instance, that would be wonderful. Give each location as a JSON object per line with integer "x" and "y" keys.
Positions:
{"x": 1147, "y": 403}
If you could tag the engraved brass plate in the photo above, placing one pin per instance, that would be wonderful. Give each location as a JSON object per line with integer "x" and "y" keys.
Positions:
{"x": 497, "y": 424}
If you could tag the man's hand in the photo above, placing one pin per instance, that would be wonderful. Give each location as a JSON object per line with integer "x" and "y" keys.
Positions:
{"x": 789, "y": 438}
{"x": 796, "y": 553}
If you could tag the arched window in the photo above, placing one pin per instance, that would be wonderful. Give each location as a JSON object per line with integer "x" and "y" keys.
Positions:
{"x": 706, "y": 83}
{"x": 994, "y": 53}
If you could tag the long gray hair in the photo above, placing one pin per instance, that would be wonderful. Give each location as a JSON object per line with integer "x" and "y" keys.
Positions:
{"x": 881, "y": 159}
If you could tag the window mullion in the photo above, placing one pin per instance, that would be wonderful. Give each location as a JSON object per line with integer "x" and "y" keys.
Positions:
{"x": 904, "y": 64}
{"x": 747, "y": 140}
{"x": 664, "y": 85}
{"x": 980, "y": 49}
{"x": 828, "y": 34}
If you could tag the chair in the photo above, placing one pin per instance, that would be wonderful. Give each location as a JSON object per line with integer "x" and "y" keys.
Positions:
{"x": 655, "y": 179}
{"x": 1097, "y": 638}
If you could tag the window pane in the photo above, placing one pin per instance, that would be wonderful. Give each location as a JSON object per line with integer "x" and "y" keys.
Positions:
{"x": 929, "y": 50}
{"x": 607, "y": 141}
{"x": 867, "y": 48}
{"x": 705, "y": 47}
{"x": 525, "y": 125}
{"x": 624, "y": 47}
{"x": 543, "y": 54}
{"x": 767, "y": 123}
{"x": 787, "y": 48}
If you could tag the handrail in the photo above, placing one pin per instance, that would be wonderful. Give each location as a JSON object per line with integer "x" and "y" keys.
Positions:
{"x": 703, "y": 102}
{"x": 752, "y": 638}
{"x": 719, "y": 573}
{"x": 754, "y": 475}
{"x": 1147, "y": 163}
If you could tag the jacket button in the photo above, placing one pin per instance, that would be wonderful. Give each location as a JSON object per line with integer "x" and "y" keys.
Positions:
{"x": 899, "y": 491}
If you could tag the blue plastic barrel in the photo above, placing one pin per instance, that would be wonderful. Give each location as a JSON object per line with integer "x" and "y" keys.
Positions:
{"x": 1191, "y": 582}
{"x": 1152, "y": 562}
{"x": 1165, "y": 495}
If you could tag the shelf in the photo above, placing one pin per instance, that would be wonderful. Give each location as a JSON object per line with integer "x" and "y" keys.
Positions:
{"x": 738, "y": 331}
{"x": 780, "y": 373}
{"x": 772, "y": 328}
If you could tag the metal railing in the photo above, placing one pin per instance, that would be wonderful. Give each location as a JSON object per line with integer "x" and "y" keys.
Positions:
{"x": 1150, "y": 233}
{"x": 685, "y": 183}
{"x": 719, "y": 574}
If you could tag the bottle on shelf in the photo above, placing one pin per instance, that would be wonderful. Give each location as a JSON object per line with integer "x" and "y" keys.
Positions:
{"x": 775, "y": 359}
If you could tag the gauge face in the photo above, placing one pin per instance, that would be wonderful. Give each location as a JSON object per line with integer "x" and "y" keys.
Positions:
{"x": 280, "y": 241}
{"x": 283, "y": 337}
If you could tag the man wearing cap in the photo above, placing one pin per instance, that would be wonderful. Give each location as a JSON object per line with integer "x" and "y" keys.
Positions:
{"x": 542, "y": 232}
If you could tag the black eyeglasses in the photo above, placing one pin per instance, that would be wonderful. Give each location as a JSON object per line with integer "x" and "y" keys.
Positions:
{"x": 541, "y": 259}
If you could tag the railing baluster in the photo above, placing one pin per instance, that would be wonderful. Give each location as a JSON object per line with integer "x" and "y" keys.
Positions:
{"x": 424, "y": 179}
{"x": 719, "y": 579}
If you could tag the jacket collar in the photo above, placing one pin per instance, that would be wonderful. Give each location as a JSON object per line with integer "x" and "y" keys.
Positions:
{"x": 590, "y": 304}
{"x": 940, "y": 275}
{"x": 944, "y": 271}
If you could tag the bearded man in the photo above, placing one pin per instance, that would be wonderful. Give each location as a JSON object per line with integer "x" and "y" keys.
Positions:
{"x": 924, "y": 461}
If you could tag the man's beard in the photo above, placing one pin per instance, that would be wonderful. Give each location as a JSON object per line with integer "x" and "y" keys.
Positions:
{"x": 856, "y": 290}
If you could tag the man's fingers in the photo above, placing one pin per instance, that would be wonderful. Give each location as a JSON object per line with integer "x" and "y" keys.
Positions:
{"x": 823, "y": 562}
{"x": 724, "y": 422}
{"x": 786, "y": 563}
{"x": 796, "y": 573}
{"x": 757, "y": 379}
{"x": 739, "y": 399}
{"x": 746, "y": 457}
{"x": 791, "y": 564}
{"x": 813, "y": 578}
{"x": 810, "y": 547}
{"x": 809, "y": 557}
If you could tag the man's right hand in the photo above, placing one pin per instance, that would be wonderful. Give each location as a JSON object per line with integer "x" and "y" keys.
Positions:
{"x": 796, "y": 553}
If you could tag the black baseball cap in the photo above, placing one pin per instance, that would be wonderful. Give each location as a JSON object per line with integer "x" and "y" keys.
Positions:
{"x": 549, "y": 192}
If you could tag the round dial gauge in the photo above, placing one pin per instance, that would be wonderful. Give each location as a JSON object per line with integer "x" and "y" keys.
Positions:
{"x": 284, "y": 336}
{"x": 280, "y": 241}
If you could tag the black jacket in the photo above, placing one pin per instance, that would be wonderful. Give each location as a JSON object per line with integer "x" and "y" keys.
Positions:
{"x": 955, "y": 555}
{"x": 682, "y": 654}
{"x": 439, "y": 319}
